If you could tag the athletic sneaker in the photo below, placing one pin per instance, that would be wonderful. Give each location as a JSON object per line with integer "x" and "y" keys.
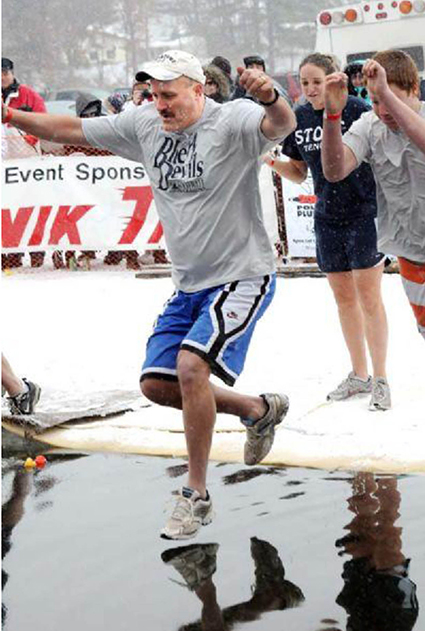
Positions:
{"x": 260, "y": 433}
{"x": 195, "y": 563}
{"x": 381, "y": 396}
{"x": 25, "y": 402}
{"x": 349, "y": 387}
{"x": 189, "y": 514}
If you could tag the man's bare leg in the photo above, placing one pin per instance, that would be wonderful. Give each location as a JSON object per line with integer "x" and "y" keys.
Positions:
{"x": 199, "y": 412}
{"x": 13, "y": 384}
{"x": 200, "y": 400}
{"x": 168, "y": 393}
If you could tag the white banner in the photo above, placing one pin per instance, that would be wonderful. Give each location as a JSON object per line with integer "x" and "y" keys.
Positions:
{"x": 299, "y": 200}
{"x": 78, "y": 202}
{"x": 81, "y": 202}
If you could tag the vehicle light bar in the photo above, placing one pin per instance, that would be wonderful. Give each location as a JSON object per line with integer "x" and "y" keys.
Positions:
{"x": 405, "y": 7}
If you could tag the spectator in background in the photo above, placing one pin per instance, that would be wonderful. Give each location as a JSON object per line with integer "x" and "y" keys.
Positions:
{"x": 216, "y": 85}
{"x": 17, "y": 95}
{"x": 21, "y": 97}
{"x": 140, "y": 93}
{"x": 88, "y": 106}
{"x": 355, "y": 85}
{"x": 115, "y": 102}
{"x": 255, "y": 62}
{"x": 225, "y": 66}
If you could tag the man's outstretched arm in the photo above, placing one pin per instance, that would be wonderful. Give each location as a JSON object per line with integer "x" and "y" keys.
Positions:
{"x": 406, "y": 115}
{"x": 53, "y": 127}
{"x": 338, "y": 161}
{"x": 279, "y": 120}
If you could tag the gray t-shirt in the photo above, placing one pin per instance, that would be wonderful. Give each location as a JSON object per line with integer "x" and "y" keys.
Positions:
{"x": 399, "y": 169}
{"x": 205, "y": 185}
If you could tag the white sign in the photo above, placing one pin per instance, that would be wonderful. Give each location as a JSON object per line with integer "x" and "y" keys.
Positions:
{"x": 299, "y": 201}
{"x": 78, "y": 202}
{"x": 84, "y": 202}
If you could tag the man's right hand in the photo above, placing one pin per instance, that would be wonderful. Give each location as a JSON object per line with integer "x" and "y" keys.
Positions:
{"x": 336, "y": 92}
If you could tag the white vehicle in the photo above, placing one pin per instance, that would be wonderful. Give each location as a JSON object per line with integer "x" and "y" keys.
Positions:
{"x": 357, "y": 31}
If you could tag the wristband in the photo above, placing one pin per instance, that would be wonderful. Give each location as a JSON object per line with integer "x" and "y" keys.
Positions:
{"x": 332, "y": 117}
{"x": 8, "y": 116}
{"x": 276, "y": 96}
{"x": 272, "y": 162}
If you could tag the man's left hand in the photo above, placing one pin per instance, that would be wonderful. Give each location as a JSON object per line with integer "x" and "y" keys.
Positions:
{"x": 257, "y": 83}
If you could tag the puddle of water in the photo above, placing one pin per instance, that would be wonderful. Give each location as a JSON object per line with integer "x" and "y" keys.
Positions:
{"x": 81, "y": 549}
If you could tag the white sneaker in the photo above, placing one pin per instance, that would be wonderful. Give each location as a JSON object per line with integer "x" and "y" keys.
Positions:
{"x": 189, "y": 514}
{"x": 381, "y": 395}
{"x": 350, "y": 386}
{"x": 260, "y": 434}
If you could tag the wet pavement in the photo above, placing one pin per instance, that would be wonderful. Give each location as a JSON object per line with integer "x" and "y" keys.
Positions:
{"x": 289, "y": 549}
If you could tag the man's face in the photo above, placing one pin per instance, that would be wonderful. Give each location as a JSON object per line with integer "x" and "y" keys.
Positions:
{"x": 7, "y": 78}
{"x": 210, "y": 87}
{"x": 380, "y": 109}
{"x": 179, "y": 102}
{"x": 255, "y": 66}
{"x": 90, "y": 112}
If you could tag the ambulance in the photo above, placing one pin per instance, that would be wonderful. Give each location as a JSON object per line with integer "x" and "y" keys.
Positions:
{"x": 357, "y": 31}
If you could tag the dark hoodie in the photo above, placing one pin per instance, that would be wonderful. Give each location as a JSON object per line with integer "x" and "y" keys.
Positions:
{"x": 216, "y": 75}
{"x": 84, "y": 100}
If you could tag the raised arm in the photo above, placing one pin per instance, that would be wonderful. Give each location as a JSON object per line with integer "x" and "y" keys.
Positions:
{"x": 294, "y": 170}
{"x": 338, "y": 161}
{"x": 62, "y": 129}
{"x": 279, "y": 120}
{"x": 404, "y": 112}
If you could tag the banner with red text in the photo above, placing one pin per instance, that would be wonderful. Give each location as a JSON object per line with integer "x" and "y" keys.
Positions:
{"x": 81, "y": 202}
{"x": 299, "y": 201}
{"x": 78, "y": 202}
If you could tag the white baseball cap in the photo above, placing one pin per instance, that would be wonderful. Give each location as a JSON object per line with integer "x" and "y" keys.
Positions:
{"x": 171, "y": 65}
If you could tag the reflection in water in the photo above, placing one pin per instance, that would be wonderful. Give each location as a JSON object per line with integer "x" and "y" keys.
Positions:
{"x": 271, "y": 592}
{"x": 244, "y": 475}
{"x": 378, "y": 594}
{"x": 12, "y": 512}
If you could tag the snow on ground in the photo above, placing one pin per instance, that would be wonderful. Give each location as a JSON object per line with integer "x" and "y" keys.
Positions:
{"x": 85, "y": 332}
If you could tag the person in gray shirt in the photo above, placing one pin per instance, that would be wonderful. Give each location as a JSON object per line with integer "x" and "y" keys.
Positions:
{"x": 391, "y": 139}
{"x": 202, "y": 159}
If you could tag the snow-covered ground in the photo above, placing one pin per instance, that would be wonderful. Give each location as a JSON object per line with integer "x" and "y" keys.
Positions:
{"x": 83, "y": 332}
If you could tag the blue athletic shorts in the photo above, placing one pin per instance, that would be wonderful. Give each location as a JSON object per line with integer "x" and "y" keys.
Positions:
{"x": 216, "y": 324}
{"x": 346, "y": 245}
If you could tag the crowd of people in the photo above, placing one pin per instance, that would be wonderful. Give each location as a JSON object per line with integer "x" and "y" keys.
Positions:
{"x": 201, "y": 135}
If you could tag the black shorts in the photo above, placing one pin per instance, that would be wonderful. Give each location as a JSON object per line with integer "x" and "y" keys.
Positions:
{"x": 346, "y": 245}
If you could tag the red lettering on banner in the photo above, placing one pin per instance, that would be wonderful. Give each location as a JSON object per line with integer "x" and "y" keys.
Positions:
{"x": 12, "y": 230}
{"x": 143, "y": 196}
{"x": 156, "y": 234}
{"x": 66, "y": 223}
{"x": 38, "y": 232}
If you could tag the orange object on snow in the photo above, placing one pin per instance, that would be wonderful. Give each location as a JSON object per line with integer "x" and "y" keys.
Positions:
{"x": 40, "y": 461}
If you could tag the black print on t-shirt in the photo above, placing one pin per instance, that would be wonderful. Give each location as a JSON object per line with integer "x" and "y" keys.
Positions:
{"x": 180, "y": 168}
